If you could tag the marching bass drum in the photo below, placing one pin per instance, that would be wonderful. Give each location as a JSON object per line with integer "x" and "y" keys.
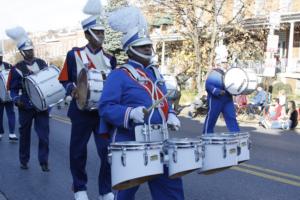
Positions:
{"x": 44, "y": 88}
{"x": 4, "y": 94}
{"x": 90, "y": 85}
{"x": 240, "y": 81}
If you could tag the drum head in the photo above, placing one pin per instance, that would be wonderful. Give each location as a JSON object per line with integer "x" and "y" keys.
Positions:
{"x": 34, "y": 93}
{"x": 82, "y": 87}
{"x": 235, "y": 80}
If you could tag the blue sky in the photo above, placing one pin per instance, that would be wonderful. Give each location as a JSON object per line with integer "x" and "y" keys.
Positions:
{"x": 35, "y": 15}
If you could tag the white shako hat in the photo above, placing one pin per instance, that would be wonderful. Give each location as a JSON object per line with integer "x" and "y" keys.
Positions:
{"x": 221, "y": 54}
{"x": 19, "y": 35}
{"x": 131, "y": 22}
{"x": 94, "y": 9}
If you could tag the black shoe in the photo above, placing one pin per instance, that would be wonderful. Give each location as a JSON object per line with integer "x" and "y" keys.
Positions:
{"x": 45, "y": 167}
{"x": 24, "y": 166}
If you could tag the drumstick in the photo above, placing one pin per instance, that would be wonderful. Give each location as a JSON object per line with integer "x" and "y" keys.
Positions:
{"x": 156, "y": 103}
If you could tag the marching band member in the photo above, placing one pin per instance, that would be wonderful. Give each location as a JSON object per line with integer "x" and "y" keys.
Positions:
{"x": 219, "y": 100}
{"x": 27, "y": 112}
{"x": 84, "y": 122}
{"x": 8, "y": 105}
{"x": 124, "y": 97}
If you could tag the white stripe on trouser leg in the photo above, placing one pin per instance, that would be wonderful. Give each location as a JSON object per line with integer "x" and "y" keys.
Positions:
{"x": 208, "y": 115}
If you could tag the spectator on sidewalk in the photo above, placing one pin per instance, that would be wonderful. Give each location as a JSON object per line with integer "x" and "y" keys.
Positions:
{"x": 288, "y": 120}
{"x": 259, "y": 100}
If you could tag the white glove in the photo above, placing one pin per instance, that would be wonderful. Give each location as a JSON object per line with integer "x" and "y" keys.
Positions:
{"x": 173, "y": 121}
{"x": 137, "y": 114}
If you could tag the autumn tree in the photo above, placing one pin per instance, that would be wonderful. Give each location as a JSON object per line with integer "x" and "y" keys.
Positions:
{"x": 202, "y": 21}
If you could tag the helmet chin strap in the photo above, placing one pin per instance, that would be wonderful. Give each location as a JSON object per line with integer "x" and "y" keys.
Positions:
{"x": 95, "y": 37}
{"x": 146, "y": 57}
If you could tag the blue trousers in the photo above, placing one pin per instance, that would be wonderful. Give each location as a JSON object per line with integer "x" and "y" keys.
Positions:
{"x": 161, "y": 188}
{"x": 82, "y": 128}
{"x": 41, "y": 126}
{"x": 10, "y": 113}
{"x": 216, "y": 106}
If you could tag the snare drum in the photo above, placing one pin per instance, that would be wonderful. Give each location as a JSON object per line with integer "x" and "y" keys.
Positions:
{"x": 151, "y": 133}
{"x": 240, "y": 81}
{"x": 90, "y": 86}
{"x": 4, "y": 94}
{"x": 219, "y": 151}
{"x": 133, "y": 163}
{"x": 44, "y": 88}
{"x": 184, "y": 156}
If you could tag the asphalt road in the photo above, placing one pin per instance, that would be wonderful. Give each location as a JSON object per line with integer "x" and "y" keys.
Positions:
{"x": 273, "y": 173}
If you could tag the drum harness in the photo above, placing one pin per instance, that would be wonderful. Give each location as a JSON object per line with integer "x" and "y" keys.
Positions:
{"x": 147, "y": 129}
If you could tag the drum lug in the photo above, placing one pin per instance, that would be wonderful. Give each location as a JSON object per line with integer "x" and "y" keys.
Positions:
{"x": 123, "y": 156}
{"x": 109, "y": 156}
{"x": 239, "y": 150}
{"x": 163, "y": 157}
{"x": 224, "y": 151}
{"x": 174, "y": 155}
{"x": 146, "y": 158}
{"x": 197, "y": 153}
{"x": 249, "y": 144}
{"x": 203, "y": 151}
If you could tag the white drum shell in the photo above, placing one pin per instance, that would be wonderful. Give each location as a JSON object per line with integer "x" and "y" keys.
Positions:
{"x": 240, "y": 81}
{"x": 44, "y": 88}
{"x": 135, "y": 166}
{"x": 4, "y": 94}
{"x": 215, "y": 151}
{"x": 184, "y": 156}
{"x": 95, "y": 87}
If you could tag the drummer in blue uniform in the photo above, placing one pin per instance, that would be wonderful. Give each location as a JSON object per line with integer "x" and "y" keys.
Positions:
{"x": 124, "y": 98}
{"x": 86, "y": 122}
{"x": 219, "y": 100}
{"x": 8, "y": 105}
{"x": 27, "y": 112}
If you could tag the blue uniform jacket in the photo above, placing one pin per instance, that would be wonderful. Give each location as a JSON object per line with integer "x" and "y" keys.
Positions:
{"x": 6, "y": 65}
{"x": 122, "y": 93}
{"x": 15, "y": 81}
{"x": 214, "y": 85}
{"x": 68, "y": 76}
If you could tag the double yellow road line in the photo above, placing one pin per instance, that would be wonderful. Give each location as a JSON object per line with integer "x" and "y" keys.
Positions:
{"x": 270, "y": 174}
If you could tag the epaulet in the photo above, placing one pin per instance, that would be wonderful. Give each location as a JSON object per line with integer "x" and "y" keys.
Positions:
{"x": 78, "y": 48}
{"x": 107, "y": 54}
{"x": 7, "y": 64}
{"x": 18, "y": 63}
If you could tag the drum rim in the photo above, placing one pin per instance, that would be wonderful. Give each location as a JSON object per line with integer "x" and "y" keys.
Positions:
{"x": 184, "y": 142}
{"x": 133, "y": 145}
